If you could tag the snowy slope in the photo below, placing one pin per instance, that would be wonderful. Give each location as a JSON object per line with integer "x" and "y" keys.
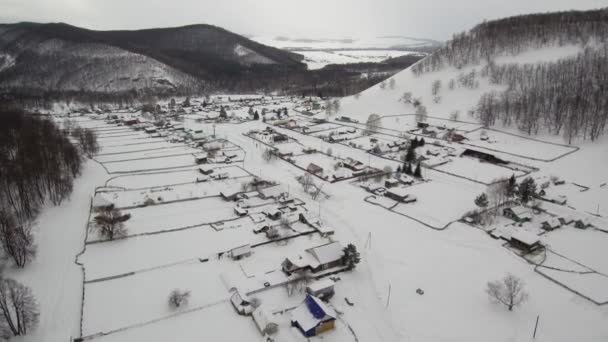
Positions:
{"x": 387, "y": 101}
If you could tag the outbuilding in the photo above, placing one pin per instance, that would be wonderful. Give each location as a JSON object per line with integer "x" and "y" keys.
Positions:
{"x": 314, "y": 169}
{"x": 323, "y": 288}
{"x": 240, "y": 252}
{"x": 551, "y": 224}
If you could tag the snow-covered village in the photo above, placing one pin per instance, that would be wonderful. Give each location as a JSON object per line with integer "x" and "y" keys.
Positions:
{"x": 461, "y": 198}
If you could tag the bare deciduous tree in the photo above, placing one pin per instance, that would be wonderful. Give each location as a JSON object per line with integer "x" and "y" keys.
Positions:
{"x": 16, "y": 238}
{"x": 372, "y": 124}
{"x": 178, "y": 298}
{"x": 508, "y": 291}
{"x": 110, "y": 223}
{"x": 19, "y": 308}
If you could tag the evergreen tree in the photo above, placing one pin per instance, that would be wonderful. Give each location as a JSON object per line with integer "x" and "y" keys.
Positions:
{"x": 526, "y": 190}
{"x": 418, "y": 171}
{"x": 482, "y": 201}
{"x": 511, "y": 187}
{"x": 411, "y": 154}
{"x": 422, "y": 142}
{"x": 351, "y": 256}
{"x": 399, "y": 169}
{"x": 223, "y": 113}
{"x": 256, "y": 115}
{"x": 408, "y": 169}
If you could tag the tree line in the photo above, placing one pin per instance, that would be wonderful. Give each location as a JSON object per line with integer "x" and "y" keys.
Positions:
{"x": 38, "y": 164}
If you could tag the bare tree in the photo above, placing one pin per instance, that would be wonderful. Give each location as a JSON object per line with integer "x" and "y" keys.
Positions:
{"x": 178, "y": 298}
{"x": 421, "y": 114}
{"x": 372, "y": 124}
{"x": 110, "y": 223}
{"x": 508, "y": 291}
{"x": 284, "y": 223}
{"x": 307, "y": 182}
{"x": 268, "y": 155}
{"x": 16, "y": 238}
{"x": 19, "y": 308}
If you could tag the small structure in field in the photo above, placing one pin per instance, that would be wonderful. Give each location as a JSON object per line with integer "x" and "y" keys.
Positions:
{"x": 241, "y": 303}
{"x": 551, "y": 224}
{"x": 518, "y": 213}
{"x": 201, "y": 158}
{"x": 582, "y": 223}
{"x": 323, "y": 288}
{"x": 314, "y": 169}
{"x": 406, "y": 179}
{"x": 231, "y": 193}
{"x": 264, "y": 321}
{"x": 240, "y": 211}
{"x": 273, "y": 192}
{"x": 313, "y": 317}
{"x": 273, "y": 213}
{"x": 205, "y": 170}
{"x": 391, "y": 183}
{"x": 240, "y": 252}
{"x": 525, "y": 241}
{"x": 400, "y": 194}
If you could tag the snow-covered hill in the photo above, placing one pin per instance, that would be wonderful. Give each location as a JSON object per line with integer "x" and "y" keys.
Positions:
{"x": 386, "y": 100}
{"x": 540, "y": 74}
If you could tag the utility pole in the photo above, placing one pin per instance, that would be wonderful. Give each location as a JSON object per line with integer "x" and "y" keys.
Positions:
{"x": 535, "y": 326}
{"x": 388, "y": 299}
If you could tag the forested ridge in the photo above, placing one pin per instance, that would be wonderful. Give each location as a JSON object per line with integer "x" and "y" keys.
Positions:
{"x": 564, "y": 97}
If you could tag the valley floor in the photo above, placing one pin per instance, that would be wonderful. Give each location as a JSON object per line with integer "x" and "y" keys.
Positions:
{"x": 178, "y": 242}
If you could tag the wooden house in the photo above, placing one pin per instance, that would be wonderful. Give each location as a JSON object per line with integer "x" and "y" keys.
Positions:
{"x": 518, "y": 213}
{"x": 525, "y": 241}
{"x": 315, "y": 259}
{"x": 313, "y": 317}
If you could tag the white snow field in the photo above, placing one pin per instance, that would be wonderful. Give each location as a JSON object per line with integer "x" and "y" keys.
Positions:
{"x": 187, "y": 240}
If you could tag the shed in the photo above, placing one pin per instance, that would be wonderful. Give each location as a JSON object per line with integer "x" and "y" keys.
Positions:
{"x": 240, "y": 211}
{"x": 241, "y": 303}
{"x": 582, "y": 223}
{"x": 231, "y": 193}
{"x": 273, "y": 213}
{"x": 391, "y": 183}
{"x": 313, "y": 317}
{"x": 240, "y": 252}
{"x": 551, "y": 224}
{"x": 264, "y": 321}
{"x": 201, "y": 158}
{"x": 205, "y": 170}
{"x": 272, "y": 192}
{"x": 314, "y": 169}
{"x": 323, "y": 288}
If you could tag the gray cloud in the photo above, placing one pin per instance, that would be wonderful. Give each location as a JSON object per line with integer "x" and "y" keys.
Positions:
{"x": 437, "y": 19}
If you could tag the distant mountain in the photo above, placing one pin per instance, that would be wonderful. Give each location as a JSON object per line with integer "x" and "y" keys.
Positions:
{"x": 344, "y": 44}
{"x": 40, "y": 58}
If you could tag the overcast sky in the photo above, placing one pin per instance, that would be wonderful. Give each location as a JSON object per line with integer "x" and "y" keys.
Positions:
{"x": 436, "y": 19}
